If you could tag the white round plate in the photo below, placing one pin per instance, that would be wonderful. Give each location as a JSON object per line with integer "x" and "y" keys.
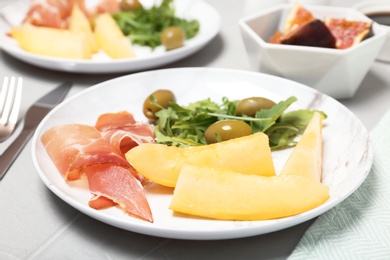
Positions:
{"x": 146, "y": 58}
{"x": 347, "y": 151}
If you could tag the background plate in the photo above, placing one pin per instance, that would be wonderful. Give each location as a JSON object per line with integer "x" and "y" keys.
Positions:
{"x": 347, "y": 151}
{"x": 207, "y": 16}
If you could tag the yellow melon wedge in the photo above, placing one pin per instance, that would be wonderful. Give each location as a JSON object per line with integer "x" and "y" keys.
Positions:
{"x": 248, "y": 154}
{"x": 52, "y": 42}
{"x": 223, "y": 194}
{"x": 157, "y": 162}
{"x": 110, "y": 38}
{"x": 162, "y": 164}
{"x": 306, "y": 158}
{"x": 80, "y": 23}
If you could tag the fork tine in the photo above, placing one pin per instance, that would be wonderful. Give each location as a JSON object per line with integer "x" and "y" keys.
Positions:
{"x": 13, "y": 118}
{"x": 8, "y": 102}
{"x": 3, "y": 95}
{"x": 9, "y": 92}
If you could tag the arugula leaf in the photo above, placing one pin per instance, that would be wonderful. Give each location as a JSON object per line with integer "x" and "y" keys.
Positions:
{"x": 299, "y": 118}
{"x": 272, "y": 114}
{"x": 185, "y": 126}
{"x": 143, "y": 26}
{"x": 282, "y": 135}
{"x": 288, "y": 126}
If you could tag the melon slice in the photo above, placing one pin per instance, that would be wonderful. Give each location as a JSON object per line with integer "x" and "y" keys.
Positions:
{"x": 80, "y": 23}
{"x": 162, "y": 164}
{"x": 306, "y": 158}
{"x": 348, "y": 33}
{"x": 110, "y": 38}
{"x": 52, "y": 42}
{"x": 224, "y": 194}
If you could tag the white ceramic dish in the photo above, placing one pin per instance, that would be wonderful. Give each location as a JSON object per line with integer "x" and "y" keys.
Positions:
{"x": 378, "y": 6}
{"x": 207, "y": 16}
{"x": 337, "y": 73}
{"x": 347, "y": 151}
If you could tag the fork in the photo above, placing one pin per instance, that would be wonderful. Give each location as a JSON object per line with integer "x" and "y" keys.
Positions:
{"x": 10, "y": 99}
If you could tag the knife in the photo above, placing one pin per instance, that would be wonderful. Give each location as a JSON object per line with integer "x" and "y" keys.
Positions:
{"x": 33, "y": 117}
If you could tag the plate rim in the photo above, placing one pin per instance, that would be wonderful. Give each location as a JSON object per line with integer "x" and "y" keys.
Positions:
{"x": 117, "y": 65}
{"x": 240, "y": 232}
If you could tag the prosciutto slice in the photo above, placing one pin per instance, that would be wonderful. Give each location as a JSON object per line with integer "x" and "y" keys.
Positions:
{"x": 98, "y": 151}
{"x": 56, "y": 13}
{"x": 73, "y": 147}
{"x": 129, "y": 195}
{"x": 114, "y": 121}
{"x": 51, "y": 13}
{"x": 123, "y": 132}
{"x": 101, "y": 202}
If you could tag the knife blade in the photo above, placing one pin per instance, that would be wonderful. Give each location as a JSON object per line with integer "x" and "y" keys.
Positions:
{"x": 33, "y": 117}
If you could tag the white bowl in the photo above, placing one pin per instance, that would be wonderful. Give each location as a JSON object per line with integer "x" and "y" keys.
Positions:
{"x": 378, "y": 6}
{"x": 337, "y": 73}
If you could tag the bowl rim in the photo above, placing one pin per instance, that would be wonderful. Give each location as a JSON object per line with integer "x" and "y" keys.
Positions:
{"x": 379, "y": 31}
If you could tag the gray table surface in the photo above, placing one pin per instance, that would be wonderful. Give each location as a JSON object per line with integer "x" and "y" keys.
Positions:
{"x": 36, "y": 224}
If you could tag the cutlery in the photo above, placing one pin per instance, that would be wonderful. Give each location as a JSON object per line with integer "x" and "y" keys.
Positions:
{"x": 10, "y": 98}
{"x": 33, "y": 117}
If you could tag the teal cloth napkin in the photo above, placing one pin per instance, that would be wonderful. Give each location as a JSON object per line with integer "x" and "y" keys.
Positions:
{"x": 359, "y": 227}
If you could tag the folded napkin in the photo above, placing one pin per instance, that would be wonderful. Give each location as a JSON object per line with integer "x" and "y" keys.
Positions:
{"x": 359, "y": 227}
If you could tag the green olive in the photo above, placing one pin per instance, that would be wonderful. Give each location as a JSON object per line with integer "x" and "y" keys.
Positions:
{"x": 162, "y": 97}
{"x": 226, "y": 130}
{"x": 249, "y": 106}
{"x": 130, "y": 5}
{"x": 172, "y": 37}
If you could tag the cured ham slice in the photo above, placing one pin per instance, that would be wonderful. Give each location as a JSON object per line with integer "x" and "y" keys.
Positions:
{"x": 123, "y": 132}
{"x": 98, "y": 151}
{"x": 128, "y": 137}
{"x": 105, "y": 6}
{"x": 73, "y": 147}
{"x": 51, "y": 13}
{"x": 101, "y": 202}
{"x": 109, "y": 121}
{"x": 56, "y": 13}
{"x": 117, "y": 184}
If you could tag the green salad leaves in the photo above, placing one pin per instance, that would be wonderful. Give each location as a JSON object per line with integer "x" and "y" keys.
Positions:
{"x": 185, "y": 125}
{"x": 143, "y": 26}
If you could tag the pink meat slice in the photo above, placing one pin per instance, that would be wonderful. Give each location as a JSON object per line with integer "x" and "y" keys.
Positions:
{"x": 123, "y": 132}
{"x": 114, "y": 120}
{"x": 101, "y": 202}
{"x": 129, "y": 194}
{"x": 130, "y": 136}
{"x": 51, "y": 13}
{"x": 73, "y": 147}
{"x": 99, "y": 153}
